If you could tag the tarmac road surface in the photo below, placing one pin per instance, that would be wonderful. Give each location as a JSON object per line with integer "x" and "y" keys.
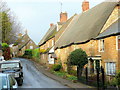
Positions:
{"x": 35, "y": 79}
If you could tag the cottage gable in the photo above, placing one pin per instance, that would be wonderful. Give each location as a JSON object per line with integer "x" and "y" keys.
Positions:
{"x": 114, "y": 29}
{"x": 24, "y": 40}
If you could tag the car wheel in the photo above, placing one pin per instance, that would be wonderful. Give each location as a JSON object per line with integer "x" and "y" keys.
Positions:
{"x": 20, "y": 82}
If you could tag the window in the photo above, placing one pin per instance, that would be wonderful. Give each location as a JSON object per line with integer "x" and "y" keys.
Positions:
{"x": 23, "y": 40}
{"x": 31, "y": 47}
{"x": 58, "y": 50}
{"x": 101, "y": 45}
{"x": 52, "y": 42}
{"x": 110, "y": 68}
{"x": 118, "y": 42}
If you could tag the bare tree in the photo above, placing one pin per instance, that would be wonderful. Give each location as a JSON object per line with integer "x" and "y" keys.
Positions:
{"x": 10, "y": 27}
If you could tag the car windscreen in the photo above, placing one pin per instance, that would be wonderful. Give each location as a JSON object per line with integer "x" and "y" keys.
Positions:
{"x": 9, "y": 65}
{"x": 3, "y": 82}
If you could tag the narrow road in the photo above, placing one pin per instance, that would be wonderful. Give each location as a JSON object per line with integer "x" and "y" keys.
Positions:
{"x": 35, "y": 79}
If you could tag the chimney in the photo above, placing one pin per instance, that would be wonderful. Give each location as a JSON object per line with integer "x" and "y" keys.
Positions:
{"x": 63, "y": 17}
{"x": 85, "y": 5}
{"x": 26, "y": 31}
{"x": 51, "y": 24}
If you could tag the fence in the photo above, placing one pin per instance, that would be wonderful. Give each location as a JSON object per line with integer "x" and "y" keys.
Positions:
{"x": 97, "y": 80}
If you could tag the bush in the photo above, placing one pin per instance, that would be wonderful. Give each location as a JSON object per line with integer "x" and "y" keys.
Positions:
{"x": 5, "y": 45}
{"x": 70, "y": 77}
{"x": 42, "y": 50}
{"x": 79, "y": 58}
{"x": 6, "y": 51}
{"x": 61, "y": 74}
{"x": 28, "y": 53}
{"x": 56, "y": 67}
{"x": 113, "y": 82}
{"x": 118, "y": 79}
{"x": 73, "y": 72}
{"x": 36, "y": 54}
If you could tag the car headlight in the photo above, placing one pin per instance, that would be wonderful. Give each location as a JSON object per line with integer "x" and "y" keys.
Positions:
{"x": 16, "y": 74}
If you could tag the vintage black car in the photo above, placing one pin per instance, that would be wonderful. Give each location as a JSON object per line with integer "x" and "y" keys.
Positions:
{"x": 13, "y": 67}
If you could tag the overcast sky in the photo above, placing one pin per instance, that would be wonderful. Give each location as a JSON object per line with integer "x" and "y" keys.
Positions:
{"x": 36, "y": 15}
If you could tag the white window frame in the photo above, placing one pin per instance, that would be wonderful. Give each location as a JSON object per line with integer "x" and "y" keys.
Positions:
{"x": 31, "y": 47}
{"x": 117, "y": 37}
{"x": 52, "y": 42}
{"x": 108, "y": 66}
{"x": 102, "y": 46}
{"x": 58, "y": 50}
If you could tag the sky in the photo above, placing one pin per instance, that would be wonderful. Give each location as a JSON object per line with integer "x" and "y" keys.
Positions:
{"x": 36, "y": 15}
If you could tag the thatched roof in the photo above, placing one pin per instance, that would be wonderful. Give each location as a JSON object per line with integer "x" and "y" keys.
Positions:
{"x": 87, "y": 25}
{"x": 50, "y": 34}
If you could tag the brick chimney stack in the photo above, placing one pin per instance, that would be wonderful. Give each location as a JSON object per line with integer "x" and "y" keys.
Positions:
{"x": 51, "y": 24}
{"x": 85, "y": 5}
{"x": 63, "y": 17}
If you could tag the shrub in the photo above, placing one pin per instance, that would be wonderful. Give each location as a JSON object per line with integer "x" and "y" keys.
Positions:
{"x": 42, "y": 50}
{"x": 118, "y": 79}
{"x": 6, "y": 51}
{"x": 70, "y": 77}
{"x": 4, "y": 45}
{"x": 28, "y": 53}
{"x": 56, "y": 67}
{"x": 73, "y": 72}
{"x": 79, "y": 58}
{"x": 115, "y": 81}
{"x": 61, "y": 74}
{"x": 36, "y": 54}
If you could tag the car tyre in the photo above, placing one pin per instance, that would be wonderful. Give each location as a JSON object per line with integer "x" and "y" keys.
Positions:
{"x": 20, "y": 82}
